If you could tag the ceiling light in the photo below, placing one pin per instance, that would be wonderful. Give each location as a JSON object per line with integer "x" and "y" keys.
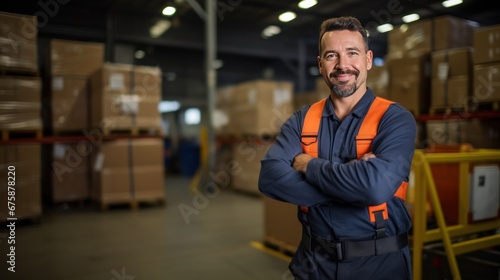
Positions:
{"x": 168, "y": 11}
{"x": 287, "y": 16}
{"x": 168, "y": 106}
{"x": 411, "y": 17}
{"x": 451, "y": 3}
{"x": 385, "y": 28}
{"x": 306, "y": 4}
{"x": 271, "y": 30}
{"x": 159, "y": 28}
{"x": 139, "y": 54}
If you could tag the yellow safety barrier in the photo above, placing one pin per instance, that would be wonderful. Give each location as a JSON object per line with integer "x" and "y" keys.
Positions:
{"x": 425, "y": 187}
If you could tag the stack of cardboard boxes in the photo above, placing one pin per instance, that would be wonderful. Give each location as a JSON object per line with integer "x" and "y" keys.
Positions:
{"x": 93, "y": 99}
{"x": 253, "y": 113}
{"x": 20, "y": 114}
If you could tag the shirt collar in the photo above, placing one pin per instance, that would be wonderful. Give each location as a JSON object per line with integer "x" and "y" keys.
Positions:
{"x": 359, "y": 110}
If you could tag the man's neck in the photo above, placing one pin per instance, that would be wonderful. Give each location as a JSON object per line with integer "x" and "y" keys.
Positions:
{"x": 344, "y": 105}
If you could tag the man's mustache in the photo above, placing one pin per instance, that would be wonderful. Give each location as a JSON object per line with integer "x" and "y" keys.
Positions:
{"x": 343, "y": 72}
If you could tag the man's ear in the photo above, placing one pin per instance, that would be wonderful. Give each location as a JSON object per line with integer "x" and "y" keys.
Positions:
{"x": 369, "y": 59}
{"x": 320, "y": 67}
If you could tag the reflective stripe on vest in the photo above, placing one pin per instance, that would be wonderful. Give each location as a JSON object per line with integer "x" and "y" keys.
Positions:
{"x": 367, "y": 132}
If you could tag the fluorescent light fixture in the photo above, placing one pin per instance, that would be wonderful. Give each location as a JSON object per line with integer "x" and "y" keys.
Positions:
{"x": 270, "y": 31}
{"x": 384, "y": 28}
{"x": 159, "y": 28}
{"x": 168, "y": 11}
{"x": 451, "y": 3}
{"x": 139, "y": 54}
{"x": 192, "y": 116}
{"x": 306, "y": 4}
{"x": 287, "y": 16}
{"x": 411, "y": 17}
{"x": 168, "y": 106}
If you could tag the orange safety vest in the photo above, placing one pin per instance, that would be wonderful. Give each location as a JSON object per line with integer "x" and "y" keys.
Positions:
{"x": 367, "y": 132}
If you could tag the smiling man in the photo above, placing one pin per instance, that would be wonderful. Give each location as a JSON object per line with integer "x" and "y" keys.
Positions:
{"x": 345, "y": 162}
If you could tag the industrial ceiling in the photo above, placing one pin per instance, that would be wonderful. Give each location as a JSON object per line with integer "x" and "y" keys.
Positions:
{"x": 239, "y": 27}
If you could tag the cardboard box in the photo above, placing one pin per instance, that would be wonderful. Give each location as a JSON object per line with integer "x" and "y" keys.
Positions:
{"x": 21, "y": 103}
{"x": 487, "y": 44}
{"x": 378, "y": 80}
{"x": 452, "y": 93}
{"x": 247, "y": 154}
{"x": 451, "y": 62}
{"x": 69, "y": 183}
{"x": 482, "y": 133}
{"x": 486, "y": 85}
{"x": 445, "y": 132}
{"x": 281, "y": 225}
{"x": 126, "y": 96}
{"x": 260, "y": 107}
{"x": 452, "y": 32}
{"x": 303, "y": 99}
{"x": 410, "y": 83}
{"x": 410, "y": 40}
{"x": 128, "y": 170}
{"x": 18, "y": 42}
{"x": 70, "y": 103}
{"x": 25, "y": 159}
{"x": 75, "y": 58}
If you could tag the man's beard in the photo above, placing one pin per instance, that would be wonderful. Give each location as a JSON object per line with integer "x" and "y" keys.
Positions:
{"x": 344, "y": 89}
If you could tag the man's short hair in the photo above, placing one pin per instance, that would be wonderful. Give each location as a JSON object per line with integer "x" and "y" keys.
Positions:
{"x": 342, "y": 23}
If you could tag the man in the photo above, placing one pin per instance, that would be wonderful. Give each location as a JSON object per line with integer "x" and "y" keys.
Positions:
{"x": 337, "y": 191}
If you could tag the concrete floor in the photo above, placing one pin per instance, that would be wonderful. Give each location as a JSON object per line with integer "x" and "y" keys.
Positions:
{"x": 83, "y": 243}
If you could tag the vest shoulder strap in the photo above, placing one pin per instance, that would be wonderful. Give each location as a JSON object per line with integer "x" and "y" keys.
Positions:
{"x": 369, "y": 126}
{"x": 312, "y": 120}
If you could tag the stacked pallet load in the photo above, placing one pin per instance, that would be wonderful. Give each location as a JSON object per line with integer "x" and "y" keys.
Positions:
{"x": 127, "y": 166}
{"x": 255, "y": 112}
{"x": 20, "y": 117}
{"x": 67, "y": 97}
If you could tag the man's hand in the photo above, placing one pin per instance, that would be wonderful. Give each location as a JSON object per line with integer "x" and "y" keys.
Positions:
{"x": 368, "y": 156}
{"x": 300, "y": 162}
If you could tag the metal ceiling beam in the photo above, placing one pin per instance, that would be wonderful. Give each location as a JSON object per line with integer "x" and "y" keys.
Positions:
{"x": 198, "y": 9}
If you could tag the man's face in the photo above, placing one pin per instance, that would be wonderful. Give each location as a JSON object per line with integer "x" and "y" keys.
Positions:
{"x": 344, "y": 62}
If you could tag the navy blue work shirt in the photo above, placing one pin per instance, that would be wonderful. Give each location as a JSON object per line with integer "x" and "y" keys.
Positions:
{"x": 337, "y": 188}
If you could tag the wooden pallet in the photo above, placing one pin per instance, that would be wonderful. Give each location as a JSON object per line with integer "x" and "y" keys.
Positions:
{"x": 18, "y": 71}
{"x": 16, "y": 134}
{"x": 132, "y": 204}
{"x": 446, "y": 110}
{"x": 134, "y": 131}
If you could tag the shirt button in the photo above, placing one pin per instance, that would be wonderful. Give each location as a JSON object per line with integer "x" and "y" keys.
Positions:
{"x": 336, "y": 154}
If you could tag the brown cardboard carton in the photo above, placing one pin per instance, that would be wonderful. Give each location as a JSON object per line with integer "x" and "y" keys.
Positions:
{"x": 486, "y": 86}
{"x": 70, "y": 103}
{"x": 125, "y": 97}
{"x": 452, "y": 93}
{"x": 18, "y": 42}
{"x": 247, "y": 154}
{"x": 281, "y": 225}
{"x": 487, "y": 44}
{"x": 75, "y": 58}
{"x": 378, "y": 80}
{"x": 74, "y": 184}
{"x": 20, "y": 97}
{"x": 128, "y": 170}
{"x": 483, "y": 133}
{"x": 452, "y": 32}
{"x": 445, "y": 131}
{"x": 410, "y": 83}
{"x": 25, "y": 160}
{"x": 410, "y": 40}
{"x": 260, "y": 107}
{"x": 451, "y": 62}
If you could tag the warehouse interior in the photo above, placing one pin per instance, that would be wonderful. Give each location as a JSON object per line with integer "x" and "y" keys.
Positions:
{"x": 134, "y": 131}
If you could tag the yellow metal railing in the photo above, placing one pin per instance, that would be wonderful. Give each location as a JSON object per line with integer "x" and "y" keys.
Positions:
{"x": 425, "y": 188}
